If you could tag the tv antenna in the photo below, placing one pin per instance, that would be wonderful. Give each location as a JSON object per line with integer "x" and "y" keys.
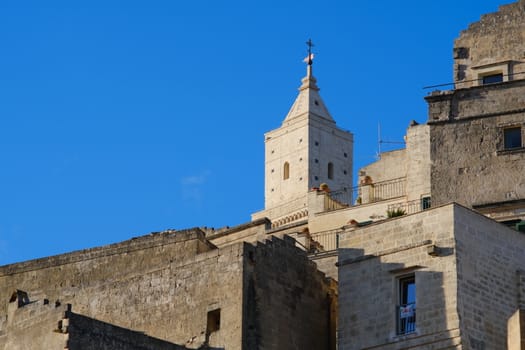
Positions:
{"x": 380, "y": 141}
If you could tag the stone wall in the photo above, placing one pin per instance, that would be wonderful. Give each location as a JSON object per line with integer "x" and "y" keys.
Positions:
{"x": 286, "y": 145}
{"x": 326, "y": 263}
{"x": 50, "y": 326}
{"x": 495, "y": 44}
{"x": 469, "y": 163}
{"x": 373, "y": 258}
{"x": 418, "y": 162}
{"x": 477, "y": 102}
{"x": 288, "y": 300}
{"x": 86, "y": 333}
{"x": 33, "y": 326}
{"x": 171, "y": 288}
{"x": 488, "y": 258}
{"x": 516, "y": 331}
{"x": 163, "y": 284}
{"x": 250, "y": 232}
{"x": 391, "y": 165}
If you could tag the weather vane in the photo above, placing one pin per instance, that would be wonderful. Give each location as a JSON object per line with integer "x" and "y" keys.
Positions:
{"x": 310, "y": 57}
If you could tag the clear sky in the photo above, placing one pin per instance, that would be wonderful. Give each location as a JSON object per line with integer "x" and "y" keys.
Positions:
{"x": 120, "y": 118}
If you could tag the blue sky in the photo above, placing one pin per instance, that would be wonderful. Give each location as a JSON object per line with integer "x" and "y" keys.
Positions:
{"x": 120, "y": 118}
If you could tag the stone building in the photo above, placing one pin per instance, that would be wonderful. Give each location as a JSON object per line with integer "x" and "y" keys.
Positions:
{"x": 450, "y": 276}
{"x": 477, "y": 129}
{"x": 426, "y": 248}
{"x": 445, "y": 278}
{"x": 169, "y": 290}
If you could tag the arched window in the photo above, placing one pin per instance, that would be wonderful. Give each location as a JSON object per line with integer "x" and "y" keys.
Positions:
{"x": 331, "y": 171}
{"x": 286, "y": 171}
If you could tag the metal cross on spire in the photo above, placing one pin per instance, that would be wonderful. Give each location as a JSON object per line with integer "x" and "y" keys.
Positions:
{"x": 310, "y": 57}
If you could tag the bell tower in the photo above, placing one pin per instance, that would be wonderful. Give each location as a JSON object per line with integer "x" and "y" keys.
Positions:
{"x": 306, "y": 150}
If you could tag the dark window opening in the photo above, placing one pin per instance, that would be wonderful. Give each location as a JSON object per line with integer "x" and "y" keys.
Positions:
{"x": 331, "y": 171}
{"x": 516, "y": 224}
{"x": 406, "y": 310}
{"x": 512, "y": 137}
{"x": 214, "y": 321}
{"x": 492, "y": 79}
{"x": 426, "y": 203}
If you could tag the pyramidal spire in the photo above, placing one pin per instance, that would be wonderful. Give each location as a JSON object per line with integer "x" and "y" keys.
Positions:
{"x": 308, "y": 103}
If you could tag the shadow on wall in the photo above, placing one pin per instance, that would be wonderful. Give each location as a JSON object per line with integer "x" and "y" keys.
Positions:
{"x": 401, "y": 301}
{"x": 85, "y": 332}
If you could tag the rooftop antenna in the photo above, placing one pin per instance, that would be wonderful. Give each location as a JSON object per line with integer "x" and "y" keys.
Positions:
{"x": 381, "y": 141}
{"x": 378, "y": 155}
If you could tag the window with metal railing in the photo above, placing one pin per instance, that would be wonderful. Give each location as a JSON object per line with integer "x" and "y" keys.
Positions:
{"x": 406, "y": 309}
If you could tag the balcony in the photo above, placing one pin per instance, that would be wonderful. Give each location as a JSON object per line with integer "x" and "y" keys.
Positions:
{"x": 406, "y": 318}
{"x": 411, "y": 207}
{"x": 325, "y": 241}
{"x": 366, "y": 194}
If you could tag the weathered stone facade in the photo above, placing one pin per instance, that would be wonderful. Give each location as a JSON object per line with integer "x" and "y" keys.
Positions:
{"x": 477, "y": 131}
{"x": 493, "y": 45}
{"x": 466, "y": 287}
{"x": 470, "y": 163}
{"x": 258, "y": 286}
{"x": 167, "y": 284}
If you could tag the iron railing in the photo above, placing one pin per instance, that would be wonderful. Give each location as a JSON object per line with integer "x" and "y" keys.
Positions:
{"x": 411, "y": 207}
{"x": 326, "y": 241}
{"x": 406, "y": 318}
{"x": 345, "y": 197}
{"x": 384, "y": 190}
{"x": 365, "y": 194}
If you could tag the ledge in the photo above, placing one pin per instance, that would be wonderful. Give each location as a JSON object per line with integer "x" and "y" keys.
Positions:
{"x": 511, "y": 151}
{"x": 152, "y": 240}
{"x": 382, "y": 253}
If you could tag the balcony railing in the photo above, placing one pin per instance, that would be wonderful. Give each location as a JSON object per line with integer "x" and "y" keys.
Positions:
{"x": 411, "y": 207}
{"x": 406, "y": 318}
{"x": 364, "y": 194}
{"x": 326, "y": 241}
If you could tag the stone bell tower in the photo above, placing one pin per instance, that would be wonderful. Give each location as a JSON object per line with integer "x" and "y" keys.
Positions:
{"x": 307, "y": 150}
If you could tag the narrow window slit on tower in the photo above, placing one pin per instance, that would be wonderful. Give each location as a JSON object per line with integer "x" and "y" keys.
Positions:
{"x": 331, "y": 171}
{"x": 286, "y": 171}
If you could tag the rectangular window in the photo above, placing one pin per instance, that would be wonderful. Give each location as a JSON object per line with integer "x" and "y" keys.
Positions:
{"x": 425, "y": 203}
{"x": 492, "y": 79}
{"x": 406, "y": 309}
{"x": 512, "y": 137}
{"x": 214, "y": 321}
